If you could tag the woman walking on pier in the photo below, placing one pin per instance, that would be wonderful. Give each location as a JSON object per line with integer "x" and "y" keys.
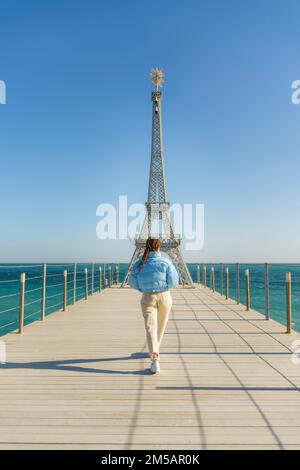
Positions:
{"x": 154, "y": 275}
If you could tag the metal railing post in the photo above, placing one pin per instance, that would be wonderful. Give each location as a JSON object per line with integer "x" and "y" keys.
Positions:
{"x": 100, "y": 278}
{"x": 227, "y": 283}
{"x": 43, "y": 309}
{"x": 65, "y": 290}
{"x": 92, "y": 286}
{"x": 74, "y": 282}
{"x": 267, "y": 306}
{"x": 104, "y": 276}
{"x": 21, "y": 302}
{"x": 221, "y": 278}
{"x": 247, "y": 276}
{"x": 204, "y": 276}
{"x": 109, "y": 276}
{"x": 198, "y": 275}
{"x": 237, "y": 283}
{"x": 288, "y": 302}
{"x": 212, "y": 283}
{"x": 117, "y": 275}
{"x": 86, "y": 283}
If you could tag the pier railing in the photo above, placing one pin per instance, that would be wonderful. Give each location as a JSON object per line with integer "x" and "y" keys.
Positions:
{"x": 32, "y": 292}
{"x": 265, "y": 287}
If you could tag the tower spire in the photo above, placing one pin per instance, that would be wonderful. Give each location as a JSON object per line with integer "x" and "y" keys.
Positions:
{"x": 157, "y": 204}
{"x": 157, "y": 77}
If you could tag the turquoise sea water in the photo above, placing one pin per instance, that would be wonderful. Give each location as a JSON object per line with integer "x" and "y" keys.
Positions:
{"x": 10, "y": 282}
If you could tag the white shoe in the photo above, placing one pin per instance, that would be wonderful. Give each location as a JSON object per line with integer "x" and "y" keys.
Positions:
{"x": 155, "y": 367}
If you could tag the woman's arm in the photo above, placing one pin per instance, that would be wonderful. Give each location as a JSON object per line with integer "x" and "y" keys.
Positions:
{"x": 172, "y": 276}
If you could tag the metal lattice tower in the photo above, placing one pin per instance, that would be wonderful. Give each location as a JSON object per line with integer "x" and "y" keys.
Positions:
{"x": 157, "y": 205}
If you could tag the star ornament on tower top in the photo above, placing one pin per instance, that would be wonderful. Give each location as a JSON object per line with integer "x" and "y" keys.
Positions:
{"x": 157, "y": 77}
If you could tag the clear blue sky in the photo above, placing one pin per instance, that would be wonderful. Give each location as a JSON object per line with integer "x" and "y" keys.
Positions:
{"x": 75, "y": 131}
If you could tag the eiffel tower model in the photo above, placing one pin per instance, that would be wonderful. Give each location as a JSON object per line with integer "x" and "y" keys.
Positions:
{"x": 157, "y": 205}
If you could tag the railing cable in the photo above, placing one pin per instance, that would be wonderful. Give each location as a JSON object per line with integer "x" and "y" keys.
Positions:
{"x": 8, "y": 295}
{"x": 9, "y": 309}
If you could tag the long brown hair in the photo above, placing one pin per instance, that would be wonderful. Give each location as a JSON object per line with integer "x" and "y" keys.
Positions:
{"x": 152, "y": 244}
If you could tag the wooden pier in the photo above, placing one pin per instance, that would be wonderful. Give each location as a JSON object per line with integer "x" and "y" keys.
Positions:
{"x": 80, "y": 380}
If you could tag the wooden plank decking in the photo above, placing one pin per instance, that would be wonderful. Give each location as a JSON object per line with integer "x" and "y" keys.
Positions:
{"x": 80, "y": 380}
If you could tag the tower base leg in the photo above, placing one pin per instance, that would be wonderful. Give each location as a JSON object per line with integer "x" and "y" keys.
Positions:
{"x": 137, "y": 253}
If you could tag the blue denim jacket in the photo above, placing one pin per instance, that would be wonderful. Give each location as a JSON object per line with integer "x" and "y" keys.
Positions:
{"x": 157, "y": 274}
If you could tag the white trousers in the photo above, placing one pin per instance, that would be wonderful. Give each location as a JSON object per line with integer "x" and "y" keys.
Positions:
{"x": 156, "y": 309}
